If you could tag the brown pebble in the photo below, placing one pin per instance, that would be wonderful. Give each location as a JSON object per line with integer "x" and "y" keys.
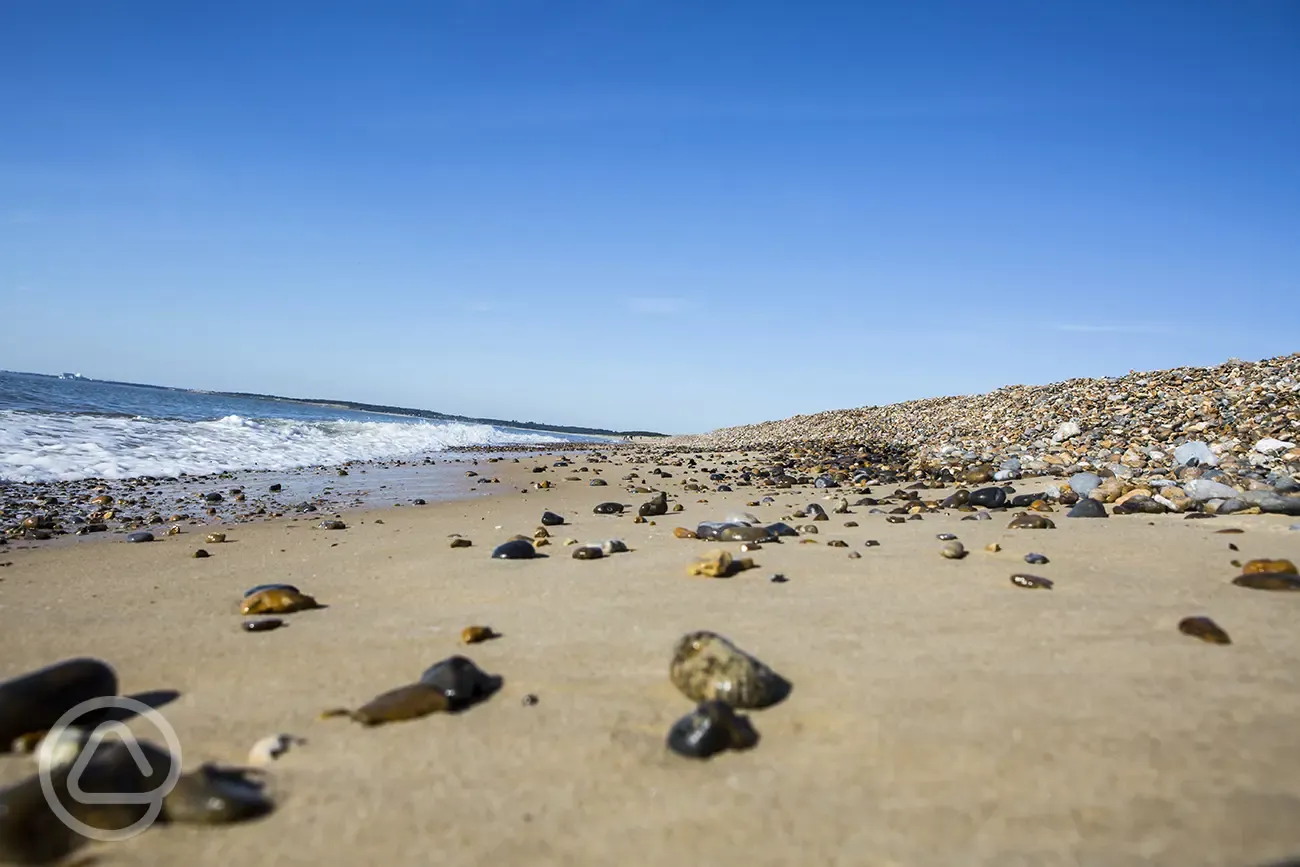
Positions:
{"x": 1269, "y": 567}
{"x": 1268, "y": 581}
{"x": 1030, "y": 521}
{"x": 277, "y": 601}
{"x": 476, "y": 634}
{"x": 1205, "y": 629}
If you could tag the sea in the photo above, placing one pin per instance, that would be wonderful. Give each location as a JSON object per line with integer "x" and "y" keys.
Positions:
{"x": 56, "y": 429}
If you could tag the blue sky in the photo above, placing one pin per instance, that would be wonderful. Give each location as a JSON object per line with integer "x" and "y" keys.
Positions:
{"x": 665, "y": 214}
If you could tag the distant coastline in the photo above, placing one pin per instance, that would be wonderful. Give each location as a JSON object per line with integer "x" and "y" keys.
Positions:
{"x": 384, "y": 409}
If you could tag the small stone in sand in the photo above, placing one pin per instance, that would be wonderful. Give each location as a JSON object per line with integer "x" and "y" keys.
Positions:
{"x": 710, "y": 729}
{"x": 953, "y": 550}
{"x": 264, "y": 625}
{"x": 277, "y": 600}
{"x": 1269, "y": 567}
{"x": 1031, "y": 582}
{"x": 1029, "y": 521}
{"x": 140, "y": 536}
{"x": 477, "y": 634}
{"x": 707, "y": 666}
{"x": 215, "y": 538}
{"x": 332, "y": 525}
{"x": 200, "y": 554}
{"x": 461, "y": 543}
{"x": 515, "y": 549}
{"x": 270, "y": 748}
{"x": 1205, "y": 629}
{"x": 1268, "y": 581}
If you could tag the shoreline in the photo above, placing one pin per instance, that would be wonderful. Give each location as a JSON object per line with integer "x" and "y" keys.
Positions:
{"x": 376, "y": 484}
{"x": 939, "y": 714}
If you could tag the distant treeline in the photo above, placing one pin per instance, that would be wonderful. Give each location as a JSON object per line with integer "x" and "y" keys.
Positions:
{"x": 442, "y": 416}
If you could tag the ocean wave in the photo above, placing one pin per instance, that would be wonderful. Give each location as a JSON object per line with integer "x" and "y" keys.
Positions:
{"x": 61, "y": 447}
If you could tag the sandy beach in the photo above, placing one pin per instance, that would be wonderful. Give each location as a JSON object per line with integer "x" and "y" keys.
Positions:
{"x": 939, "y": 715}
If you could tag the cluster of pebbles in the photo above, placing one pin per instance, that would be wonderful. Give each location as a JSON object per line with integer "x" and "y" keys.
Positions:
{"x": 1237, "y": 424}
{"x": 128, "y": 773}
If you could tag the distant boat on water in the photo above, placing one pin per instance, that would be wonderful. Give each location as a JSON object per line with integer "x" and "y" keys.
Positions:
{"x": 76, "y": 376}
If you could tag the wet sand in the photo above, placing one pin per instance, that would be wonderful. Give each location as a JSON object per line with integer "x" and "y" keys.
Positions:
{"x": 939, "y": 714}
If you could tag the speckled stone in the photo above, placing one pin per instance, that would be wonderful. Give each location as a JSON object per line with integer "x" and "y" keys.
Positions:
{"x": 706, "y": 666}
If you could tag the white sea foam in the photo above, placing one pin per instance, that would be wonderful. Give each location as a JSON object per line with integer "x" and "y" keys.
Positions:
{"x": 45, "y": 447}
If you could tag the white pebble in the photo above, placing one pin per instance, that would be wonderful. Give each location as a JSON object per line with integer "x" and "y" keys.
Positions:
{"x": 270, "y": 748}
{"x": 61, "y": 747}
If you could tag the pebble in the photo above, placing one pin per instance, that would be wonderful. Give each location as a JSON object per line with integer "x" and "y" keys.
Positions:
{"x": 1087, "y": 507}
{"x": 658, "y": 505}
{"x": 139, "y": 536}
{"x": 778, "y": 578}
{"x": 993, "y": 547}
{"x": 989, "y": 498}
{"x": 1269, "y": 567}
{"x": 515, "y": 549}
{"x": 214, "y": 538}
{"x": 33, "y": 702}
{"x": 1201, "y": 490}
{"x": 332, "y": 525}
{"x": 588, "y": 552}
{"x": 1036, "y": 559}
{"x": 461, "y": 681}
{"x": 1084, "y": 484}
{"x": 270, "y": 748}
{"x": 265, "y": 624}
{"x": 200, "y": 554}
{"x": 550, "y": 519}
{"x": 952, "y": 550}
{"x": 711, "y": 728}
{"x": 1205, "y": 629}
{"x": 946, "y": 537}
{"x": 260, "y": 587}
{"x": 1030, "y": 521}
{"x": 1031, "y": 582}
{"x": 477, "y": 634}
{"x": 277, "y": 600}
{"x": 448, "y": 686}
{"x": 743, "y": 533}
{"x": 61, "y": 747}
{"x": 706, "y": 666}
{"x": 1268, "y": 581}
{"x": 461, "y": 543}
{"x": 530, "y": 700}
{"x": 683, "y": 533}
{"x": 1198, "y": 452}
{"x": 210, "y": 795}
{"x": 718, "y": 564}
{"x": 608, "y": 509}
{"x": 613, "y": 546}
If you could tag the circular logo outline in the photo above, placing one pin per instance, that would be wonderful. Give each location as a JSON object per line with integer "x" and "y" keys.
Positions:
{"x": 153, "y": 798}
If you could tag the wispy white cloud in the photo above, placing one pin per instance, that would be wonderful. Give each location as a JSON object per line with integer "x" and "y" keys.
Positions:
{"x": 659, "y": 306}
{"x": 1114, "y": 329}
